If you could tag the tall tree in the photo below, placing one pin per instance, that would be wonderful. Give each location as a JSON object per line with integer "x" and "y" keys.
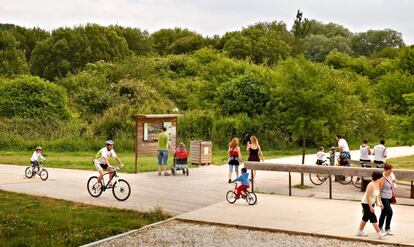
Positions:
{"x": 12, "y": 59}
{"x": 367, "y": 43}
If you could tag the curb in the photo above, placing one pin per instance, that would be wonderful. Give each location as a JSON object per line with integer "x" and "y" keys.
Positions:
{"x": 127, "y": 233}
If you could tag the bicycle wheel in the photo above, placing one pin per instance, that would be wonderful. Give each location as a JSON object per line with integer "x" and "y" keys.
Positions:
{"x": 231, "y": 196}
{"x": 121, "y": 190}
{"x": 357, "y": 182}
{"x": 343, "y": 179}
{"x": 251, "y": 198}
{"x": 28, "y": 172}
{"x": 44, "y": 174}
{"x": 94, "y": 188}
{"x": 317, "y": 179}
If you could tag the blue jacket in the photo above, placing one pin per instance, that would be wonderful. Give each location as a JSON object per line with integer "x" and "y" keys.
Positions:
{"x": 244, "y": 179}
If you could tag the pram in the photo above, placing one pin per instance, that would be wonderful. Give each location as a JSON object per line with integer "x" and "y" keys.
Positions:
{"x": 180, "y": 164}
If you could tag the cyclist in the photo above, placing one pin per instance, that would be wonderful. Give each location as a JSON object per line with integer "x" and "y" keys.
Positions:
{"x": 37, "y": 157}
{"x": 345, "y": 155}
{"x": 101, "y": 161}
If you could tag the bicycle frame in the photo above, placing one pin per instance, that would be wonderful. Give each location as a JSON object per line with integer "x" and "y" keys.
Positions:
{"x": 115, "y": 176}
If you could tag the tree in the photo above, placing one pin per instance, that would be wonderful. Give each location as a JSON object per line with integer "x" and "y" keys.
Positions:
{"x": 12, "y": 59}
{"x": 70, "y": 49}
{"x": 262, "y": 43}
{"x": 317, "y": 47}
{"x": 27, "y": 38}
{"x": 164, "y": 41}
{"x": 367, "y": 43}
{"x": 138, "y": 41}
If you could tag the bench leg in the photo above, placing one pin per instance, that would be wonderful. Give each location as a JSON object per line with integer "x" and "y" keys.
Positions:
{"x": 412, "y": 189}
{"x": 330, "y": 187}
{"x": 290, "y": 185}
{"x": 252, "y": 180}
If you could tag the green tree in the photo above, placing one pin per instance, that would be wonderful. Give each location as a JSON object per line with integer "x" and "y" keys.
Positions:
{"x": 32, "y": 97}
{"x": 138, "y": 41}
{"x": 164, "y": 41}
{"x": 371, "y": 41}
{"x": 27, "y": 38}
{"x": 70, "y": 49}
{"x": 12, "y": 59}
{"x": 317, "y": 47}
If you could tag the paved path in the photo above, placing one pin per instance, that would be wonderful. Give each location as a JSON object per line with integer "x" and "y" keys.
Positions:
{"x": 304, "y": 215}
{"x": 205, "y": 186}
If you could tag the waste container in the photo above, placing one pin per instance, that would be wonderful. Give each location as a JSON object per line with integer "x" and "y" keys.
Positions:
{"x": 201, "y": 152}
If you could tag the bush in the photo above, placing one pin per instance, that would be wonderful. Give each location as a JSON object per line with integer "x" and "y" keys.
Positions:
{"x": 32, "y": 97}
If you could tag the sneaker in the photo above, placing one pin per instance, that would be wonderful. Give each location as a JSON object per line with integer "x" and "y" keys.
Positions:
{"x": 382, "y": 230}
{"x": 389, "y": 232}
{"x": 380, "y": 235}
{"x": 361, "y": 234}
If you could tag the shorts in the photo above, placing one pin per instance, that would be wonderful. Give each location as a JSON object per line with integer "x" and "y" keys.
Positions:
{"x": 34, "y": 163}
{"x": 379, "y": 164}
{"x": 368, "y": 215}
{"x": 319, "y": 162}
{"x": 100, "y": 166}
{"x": 365, "y": 163}
{"x": 162, "y": 157}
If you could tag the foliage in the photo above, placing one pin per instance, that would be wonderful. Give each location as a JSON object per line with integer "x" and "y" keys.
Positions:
{"x": 12, "y": 59}
{"x": 32, "y": 97}
{"x": 367, "y": 43}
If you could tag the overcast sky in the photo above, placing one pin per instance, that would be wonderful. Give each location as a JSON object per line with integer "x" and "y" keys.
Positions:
{"x": 210, "y": 17}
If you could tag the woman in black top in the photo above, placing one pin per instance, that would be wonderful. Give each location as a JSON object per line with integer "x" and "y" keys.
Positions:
{"x": 254, "y": 150}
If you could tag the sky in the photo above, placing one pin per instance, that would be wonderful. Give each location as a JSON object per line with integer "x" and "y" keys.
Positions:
{"x": 209, "y": 17}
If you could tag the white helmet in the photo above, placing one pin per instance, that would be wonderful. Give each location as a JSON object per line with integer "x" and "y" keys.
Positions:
{"x": 109, "y": 142}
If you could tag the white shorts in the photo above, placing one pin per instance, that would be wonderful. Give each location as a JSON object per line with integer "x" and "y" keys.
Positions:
{"x": 100, "y": 166}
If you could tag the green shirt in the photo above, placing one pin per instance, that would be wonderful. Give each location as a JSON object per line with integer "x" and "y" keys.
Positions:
{"x": 163, "y": 141}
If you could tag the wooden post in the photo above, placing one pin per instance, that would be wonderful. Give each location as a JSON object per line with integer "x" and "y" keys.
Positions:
{"x": 252, "y": 181}
{"x": 290, "y": 185}
{"x": 330, "y": 186}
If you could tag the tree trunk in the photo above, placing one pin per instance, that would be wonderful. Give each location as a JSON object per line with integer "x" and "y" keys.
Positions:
{"x": 303, "y": 160}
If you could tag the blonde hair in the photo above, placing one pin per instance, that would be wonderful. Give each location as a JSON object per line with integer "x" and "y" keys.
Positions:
{"x": 181, "y": 145}
{"x": 254, "y": 140}
{"x": 234, "y": 143}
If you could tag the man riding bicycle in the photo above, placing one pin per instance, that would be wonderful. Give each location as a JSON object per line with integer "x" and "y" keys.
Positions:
{"x": 101, "y": 160}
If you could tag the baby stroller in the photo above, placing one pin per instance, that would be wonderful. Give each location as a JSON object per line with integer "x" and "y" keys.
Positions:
{"x": 180, "y": 164}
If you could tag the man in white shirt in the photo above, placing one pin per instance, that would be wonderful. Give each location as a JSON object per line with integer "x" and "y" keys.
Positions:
{"x": 380, "y": 153}
{"x": 101, "y": 160}
{"x": 345, "y": 155}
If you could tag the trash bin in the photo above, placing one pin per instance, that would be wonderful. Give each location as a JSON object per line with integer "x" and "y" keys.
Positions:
{"x": 201, "y": 152}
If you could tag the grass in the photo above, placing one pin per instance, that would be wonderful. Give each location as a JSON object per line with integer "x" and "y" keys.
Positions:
{"x": 83, "y": 160}
{"x": 38, "y": 221}
{"x": 404, "y": 162}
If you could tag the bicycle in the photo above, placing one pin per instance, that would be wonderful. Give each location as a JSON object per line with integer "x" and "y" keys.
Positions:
{"x": 318, "y": 179}
{"x": 357, "y": 181}
{"x": 249, "y": 196}
{"x": 32, "y": 170}
{"x": 120, "y": 188}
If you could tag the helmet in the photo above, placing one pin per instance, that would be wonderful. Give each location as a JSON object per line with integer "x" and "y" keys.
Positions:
{"x": 109, "y": 142}
{"x": 38, "y": 148}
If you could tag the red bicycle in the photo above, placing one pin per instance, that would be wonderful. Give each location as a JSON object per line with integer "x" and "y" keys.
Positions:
{"x": 249, "y": 196}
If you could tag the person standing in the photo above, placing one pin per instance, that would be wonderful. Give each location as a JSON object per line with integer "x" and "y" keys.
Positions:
{"x": 387, "y": 193}
{"x": 255, "y": 152}
{"x": 370, "y": 198}
{"x": 380, "y": 154}
{"x": 364, "y": 153}
{"x": 163, "y": 146}
{"x": 235, "y": 157}
{"x": 345, "y": 155}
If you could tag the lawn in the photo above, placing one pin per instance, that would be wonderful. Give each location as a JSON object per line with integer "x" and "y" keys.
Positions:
{"x": 38, "y": 221}
{"x": 404, "y": 162}
{"x": 83, "y": 160}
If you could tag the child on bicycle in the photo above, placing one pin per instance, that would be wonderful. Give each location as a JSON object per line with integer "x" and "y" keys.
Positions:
{"x": 245, "y": 183}
{"x": 320, "y": 156}
{"x": 37, "y": 157}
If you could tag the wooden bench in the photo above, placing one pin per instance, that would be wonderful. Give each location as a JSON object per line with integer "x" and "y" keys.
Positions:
{"x": 330, "y": 170}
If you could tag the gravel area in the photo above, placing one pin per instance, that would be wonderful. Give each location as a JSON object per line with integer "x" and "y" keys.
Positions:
{"x": 175, "y": 233}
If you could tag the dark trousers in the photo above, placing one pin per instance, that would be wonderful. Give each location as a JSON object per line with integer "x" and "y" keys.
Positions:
{"x": 386, "y": 214}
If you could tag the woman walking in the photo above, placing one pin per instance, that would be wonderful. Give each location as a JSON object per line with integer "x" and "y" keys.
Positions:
{"x": 364, "y": 153}
{"x": 387, "y": 193}
{"x": 235, "y": 157}
{"x": 255, "y": 152}
{"x": 371, "y": 197}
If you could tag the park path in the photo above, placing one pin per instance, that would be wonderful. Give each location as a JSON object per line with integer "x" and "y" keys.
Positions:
{"x": 175, "y": 194}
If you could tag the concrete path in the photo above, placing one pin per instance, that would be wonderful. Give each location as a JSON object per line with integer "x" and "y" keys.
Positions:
{"x": 205, "y": 186}
{"x": 320, "y": 217}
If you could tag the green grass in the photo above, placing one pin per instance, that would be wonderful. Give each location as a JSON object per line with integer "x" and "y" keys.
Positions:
{"x": 83, "y": 160}
{"x": 38, "y": 221}
{"x": 404, "y": 162}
